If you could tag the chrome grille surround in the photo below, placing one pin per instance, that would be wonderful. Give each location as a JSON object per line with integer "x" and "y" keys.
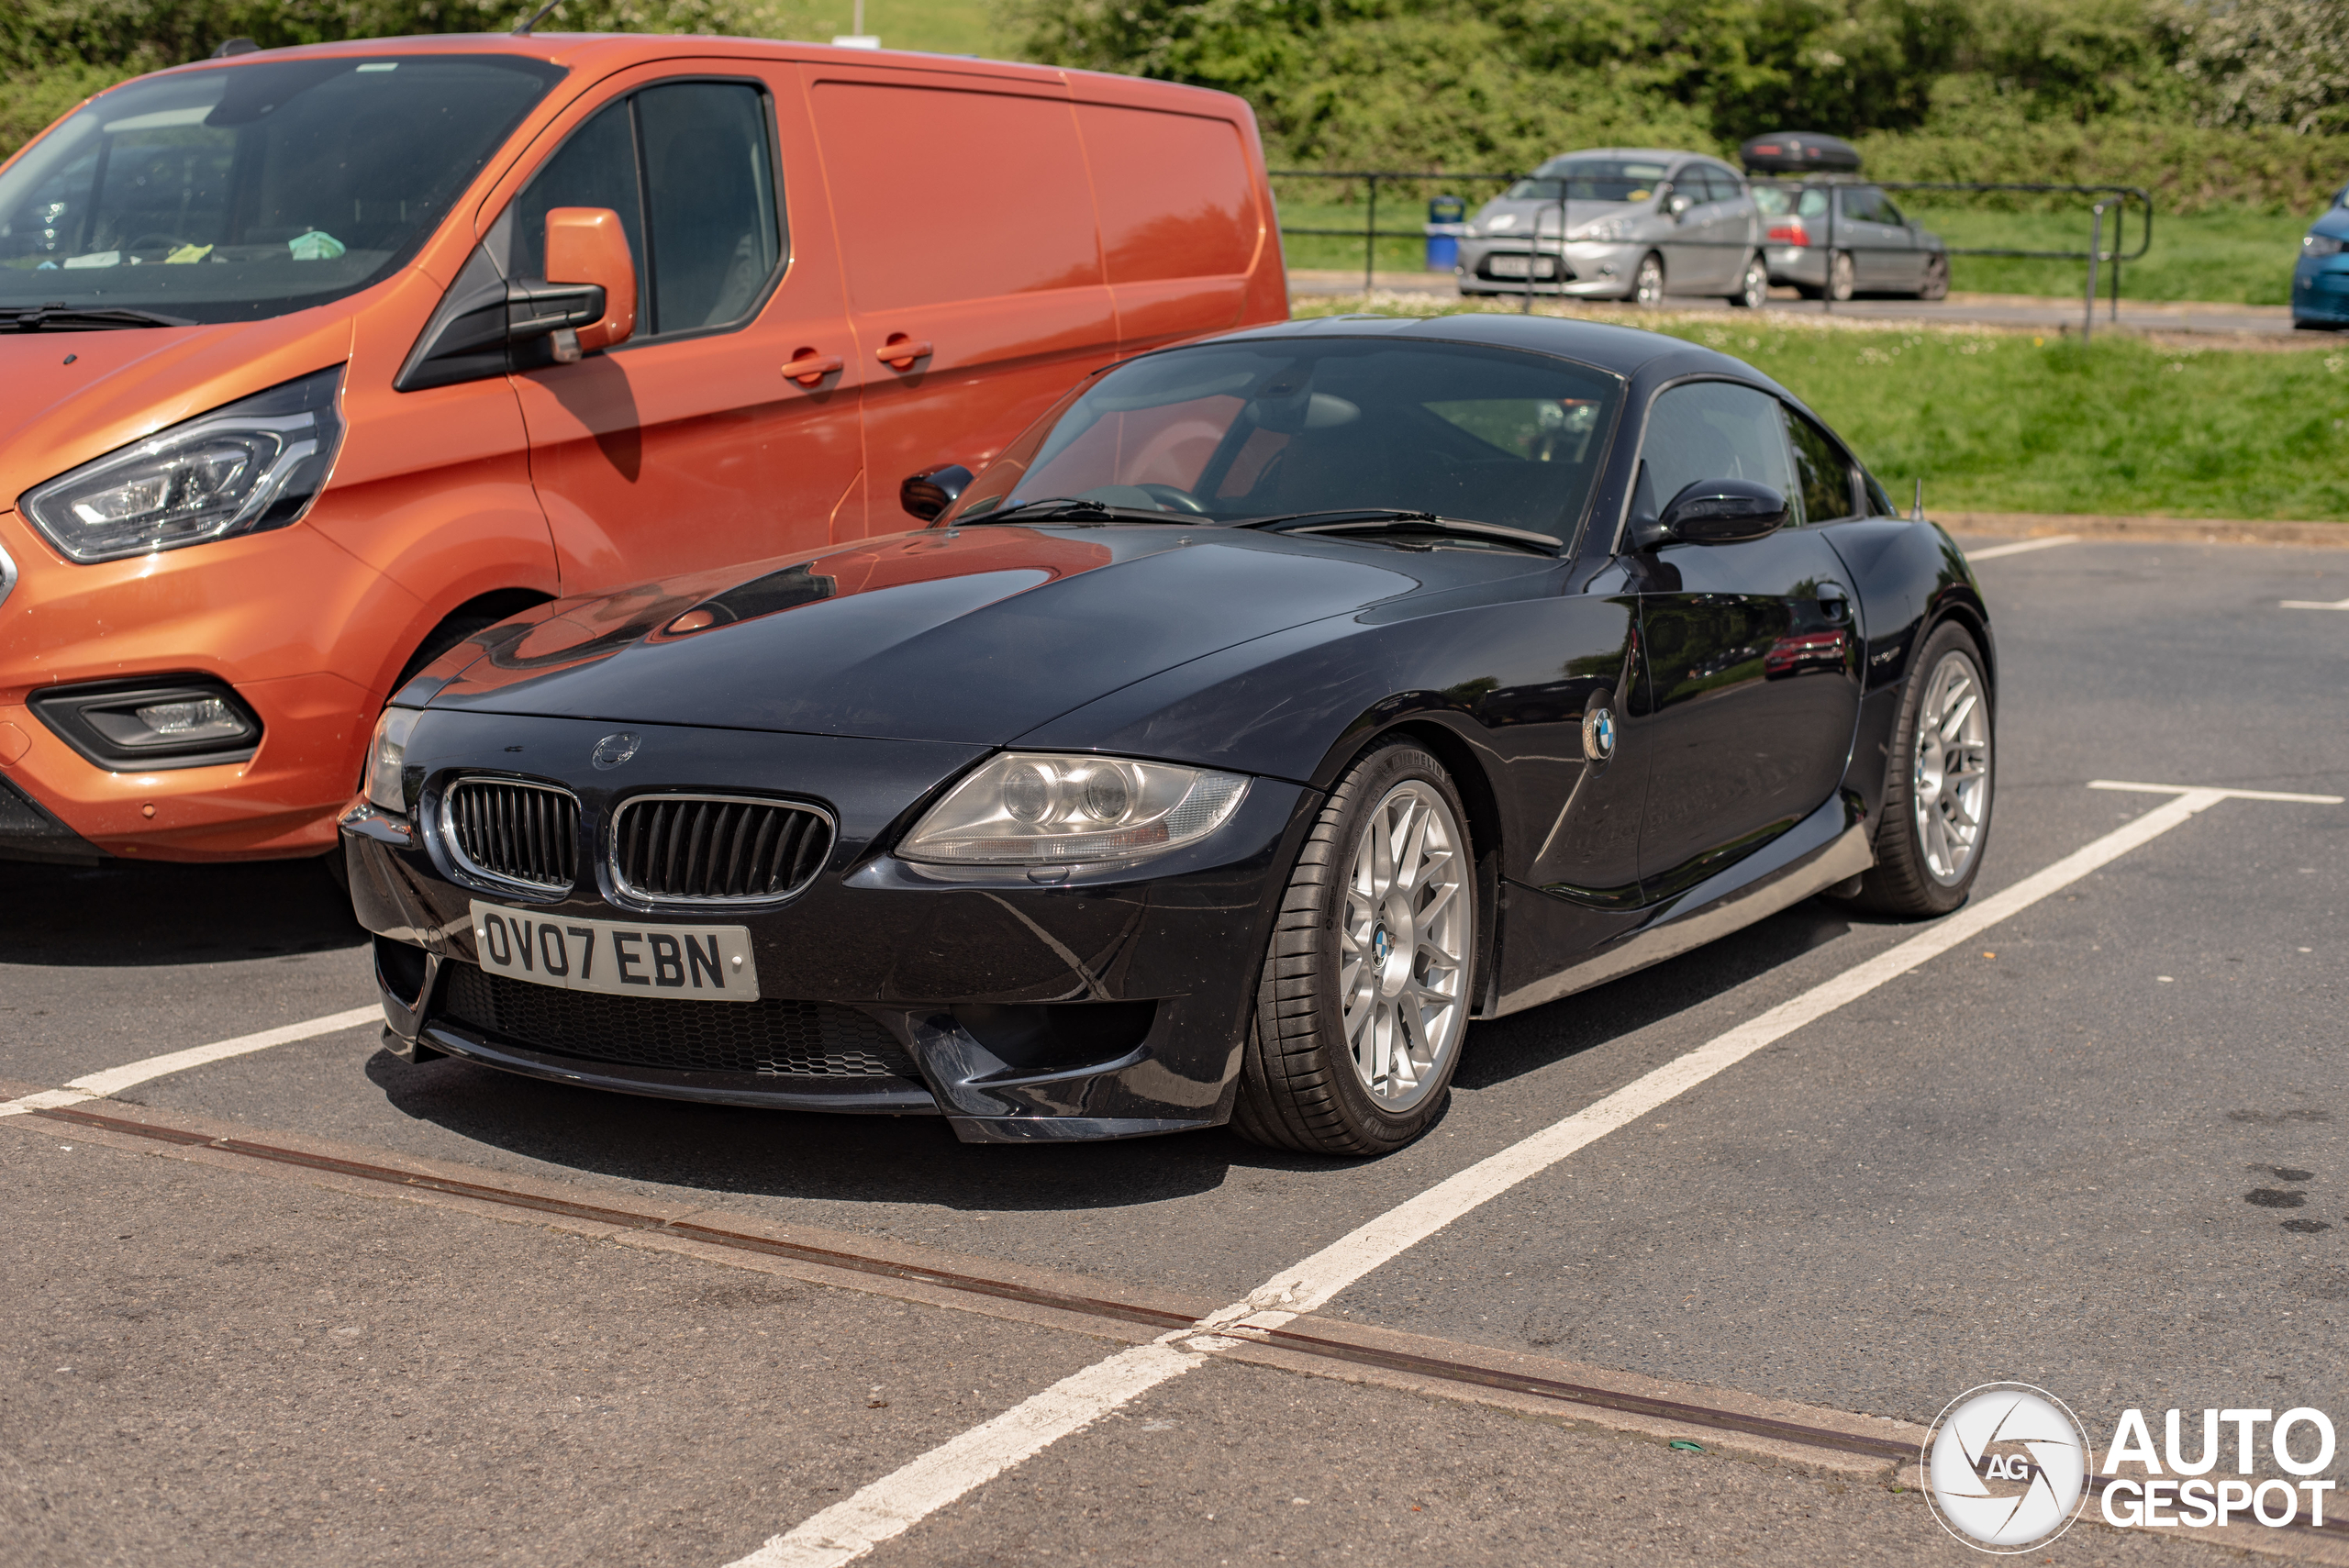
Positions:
{"x": 513, "y": 833}
{"x": 709, "y": 851}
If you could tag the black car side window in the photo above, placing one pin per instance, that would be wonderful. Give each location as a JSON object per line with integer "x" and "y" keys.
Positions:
{"x": 1713, "y": 430}
{"x": 687, "y": 166}
{"x": 1827, "y": 490}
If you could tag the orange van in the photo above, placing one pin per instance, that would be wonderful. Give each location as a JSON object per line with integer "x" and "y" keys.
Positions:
{"x": 314, "y": 361}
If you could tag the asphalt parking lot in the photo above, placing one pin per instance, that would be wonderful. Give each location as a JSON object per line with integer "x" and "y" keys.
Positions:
{"x": 311, "y": 1303}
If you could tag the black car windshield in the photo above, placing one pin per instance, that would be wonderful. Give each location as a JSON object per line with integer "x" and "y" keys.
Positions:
{"x": 1265, "y": 428}
{"x": 1591, "y": 179}
{"x": 252, "y": 189}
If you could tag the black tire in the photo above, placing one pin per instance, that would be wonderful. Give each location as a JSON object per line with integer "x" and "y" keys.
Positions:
{"x": 1299, "y": 1087}
{"x": 1936, "y": 284}
{"x": 1752, "y": 286}
{"x": 1842, "y": 277}
{"x": 1645, "y": 291}
{"x": 1910, "y": 877}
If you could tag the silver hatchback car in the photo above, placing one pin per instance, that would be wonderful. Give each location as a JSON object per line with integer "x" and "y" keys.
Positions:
{"x": 1620, "y": 223}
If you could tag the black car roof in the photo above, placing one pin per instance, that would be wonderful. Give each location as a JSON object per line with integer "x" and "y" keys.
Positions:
{"x": 1625, "y": 351}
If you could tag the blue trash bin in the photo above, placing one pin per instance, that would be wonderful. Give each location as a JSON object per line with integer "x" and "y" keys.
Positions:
{"x": 1444, "y": 227}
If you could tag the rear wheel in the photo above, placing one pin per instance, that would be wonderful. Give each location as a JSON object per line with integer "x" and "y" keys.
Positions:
{"x": 1752, "y": 286}
{"x": 1936, "y": 817}
{"x": 1839, "y": 275}
{"x": 1936, "y": 281}
{"x": 1647, "y": 283}
{"x": 1364, "y": 996}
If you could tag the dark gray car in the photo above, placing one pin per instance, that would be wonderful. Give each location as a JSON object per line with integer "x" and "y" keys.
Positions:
{"x": 1863, "y": 244}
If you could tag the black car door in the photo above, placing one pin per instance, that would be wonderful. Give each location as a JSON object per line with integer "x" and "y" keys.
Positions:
{"x": 1750, "y": 685}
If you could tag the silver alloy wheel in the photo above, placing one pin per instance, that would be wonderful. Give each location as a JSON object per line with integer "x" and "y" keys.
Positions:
{"x": 1647, "y": 283}
{"x": 1952, "y": 796}
{"x": 1407, "y": 945}
{"x": 1753, "y": 289}
{"x": 1840, "y": 275}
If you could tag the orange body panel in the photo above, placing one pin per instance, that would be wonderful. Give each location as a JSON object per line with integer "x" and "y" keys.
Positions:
{"x": 995, "y": 230}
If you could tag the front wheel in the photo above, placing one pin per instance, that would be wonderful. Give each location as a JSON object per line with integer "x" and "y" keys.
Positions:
{"x": 1936, "y": 281}
{"x": 1752, "y": 286}
{"x": 1647, "y": 283}
{"x": 1365, "y": 990}
{"x": 1936, "y": 816}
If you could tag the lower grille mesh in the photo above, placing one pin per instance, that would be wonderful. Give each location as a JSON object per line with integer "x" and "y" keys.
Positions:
{"x": 771, "y": 1036}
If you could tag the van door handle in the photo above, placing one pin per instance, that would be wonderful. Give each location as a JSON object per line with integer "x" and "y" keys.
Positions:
{"x": 807, "y": 367}
{"x": 900, "y": 352}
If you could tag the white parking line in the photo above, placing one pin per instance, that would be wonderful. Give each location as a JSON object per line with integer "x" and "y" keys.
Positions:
{"x": 1996, "y": 550}
{"x": 894, "y": 1504}
{"x": 97, "y": 1086}
{"x": 2314, "y": 605}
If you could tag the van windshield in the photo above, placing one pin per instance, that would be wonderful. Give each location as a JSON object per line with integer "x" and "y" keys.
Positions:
{"x": 250, "y": 190}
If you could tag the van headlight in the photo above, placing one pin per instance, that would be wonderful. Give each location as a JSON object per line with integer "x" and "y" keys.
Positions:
{"x": 386, "y": 784}
{"x": 1024, "y": 809}
{"x": 251, "y": 466}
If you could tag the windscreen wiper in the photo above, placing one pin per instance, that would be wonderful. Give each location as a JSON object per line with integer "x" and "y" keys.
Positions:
{"x": 1069, "y": 509}
{"x": 1387, "y": 521}
{"x": 64, "y": 318}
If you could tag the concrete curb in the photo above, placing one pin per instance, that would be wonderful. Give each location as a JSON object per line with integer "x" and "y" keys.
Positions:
{"x": 2152, "y": 531}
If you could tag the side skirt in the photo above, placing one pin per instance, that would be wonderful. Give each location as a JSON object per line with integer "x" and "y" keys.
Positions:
{"x": 1830, "y": 846}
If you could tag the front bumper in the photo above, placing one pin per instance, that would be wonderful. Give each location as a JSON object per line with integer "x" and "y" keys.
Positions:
{"x": 2320, "y": 290}
{"x": 920, "y": 995}
{"x": 1594, "y": 270}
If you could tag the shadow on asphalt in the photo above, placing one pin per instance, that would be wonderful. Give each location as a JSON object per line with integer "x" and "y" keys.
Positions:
{"x": 889, "y": 1160}
{"x": 122, "y": 915}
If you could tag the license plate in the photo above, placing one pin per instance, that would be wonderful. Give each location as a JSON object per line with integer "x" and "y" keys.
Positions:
{"x": 617, "y": 958}
{"x": 1523, "y": 266}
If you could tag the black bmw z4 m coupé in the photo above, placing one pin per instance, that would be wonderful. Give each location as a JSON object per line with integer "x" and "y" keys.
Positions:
{"x": 1276, "y": 707}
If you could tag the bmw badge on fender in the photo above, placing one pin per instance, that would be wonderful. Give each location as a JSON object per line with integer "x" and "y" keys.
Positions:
{"x": 1276, "y": 705}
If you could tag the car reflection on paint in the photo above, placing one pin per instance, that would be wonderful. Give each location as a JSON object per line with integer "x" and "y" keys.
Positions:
{"x": 1276, "y": 707}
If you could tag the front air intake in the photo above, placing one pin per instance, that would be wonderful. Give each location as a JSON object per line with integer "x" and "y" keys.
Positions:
{"x": 717, "y": 849}
{"x": 524, "y": 836}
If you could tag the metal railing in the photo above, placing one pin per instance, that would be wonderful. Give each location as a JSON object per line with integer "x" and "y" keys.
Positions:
{"x": 2116, "y": 200}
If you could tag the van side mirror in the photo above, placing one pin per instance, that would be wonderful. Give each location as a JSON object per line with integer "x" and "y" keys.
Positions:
{"x": 587, "y": 245}
{"x": 927, "y": 494}
{"x": 1715, "y": 511}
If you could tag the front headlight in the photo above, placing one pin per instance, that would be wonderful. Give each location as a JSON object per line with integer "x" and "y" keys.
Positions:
{"x": 253, "y": 465}
{"x": 1026, "y": 810}
{"x": 2321, "y": 245}
{"x": 387, "y": 760}
{"x": 1611, "y": 228}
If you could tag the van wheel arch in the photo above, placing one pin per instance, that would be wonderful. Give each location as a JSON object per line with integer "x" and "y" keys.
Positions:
{"x": 475, "y": 615}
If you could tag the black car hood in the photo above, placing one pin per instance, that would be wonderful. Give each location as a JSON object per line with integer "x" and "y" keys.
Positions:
{"x": 975, "y": 634}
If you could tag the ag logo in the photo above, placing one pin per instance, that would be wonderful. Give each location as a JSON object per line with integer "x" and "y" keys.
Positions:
{"x": 2006, "y": 1467}
{"x": 614, "y": 750}
{"x": 1598, "y": 733}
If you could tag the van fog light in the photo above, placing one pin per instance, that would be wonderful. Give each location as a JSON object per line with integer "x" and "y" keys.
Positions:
{"x": 206, "y": 719}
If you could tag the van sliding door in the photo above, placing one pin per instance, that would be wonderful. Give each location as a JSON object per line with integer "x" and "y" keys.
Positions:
{"x": 970, "y": 254}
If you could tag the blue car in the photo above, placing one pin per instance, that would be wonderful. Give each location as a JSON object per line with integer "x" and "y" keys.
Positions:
{"x": 2320, "y": 281}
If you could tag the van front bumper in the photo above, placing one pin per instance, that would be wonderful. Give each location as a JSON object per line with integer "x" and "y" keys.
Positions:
{"x": 2320, "y": 290}
{"x": 218, "y": 612}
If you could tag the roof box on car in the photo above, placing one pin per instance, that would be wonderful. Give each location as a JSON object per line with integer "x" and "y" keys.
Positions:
{"x": 1800, "y": 152}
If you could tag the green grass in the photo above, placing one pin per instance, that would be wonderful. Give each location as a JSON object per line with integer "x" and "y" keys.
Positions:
{"x": 1998, "y": 421}
{"x": 2238, "y": 256}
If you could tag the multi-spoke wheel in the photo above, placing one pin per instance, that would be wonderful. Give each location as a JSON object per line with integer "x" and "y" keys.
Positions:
{"x": 1937, "y": 797}
{"x": 1367, "y": 988}
{"x": 1647, "y": 283}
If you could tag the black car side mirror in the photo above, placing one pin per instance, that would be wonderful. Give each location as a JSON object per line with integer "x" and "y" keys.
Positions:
{"x": 928, "y": 493}
{"x": 1716, "y": 511}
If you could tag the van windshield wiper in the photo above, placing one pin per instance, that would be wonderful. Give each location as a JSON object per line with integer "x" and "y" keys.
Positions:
{"x": 63, "y": 318}
{"x": 1069, "y": 509}
{"x": 1389, "y": 520}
